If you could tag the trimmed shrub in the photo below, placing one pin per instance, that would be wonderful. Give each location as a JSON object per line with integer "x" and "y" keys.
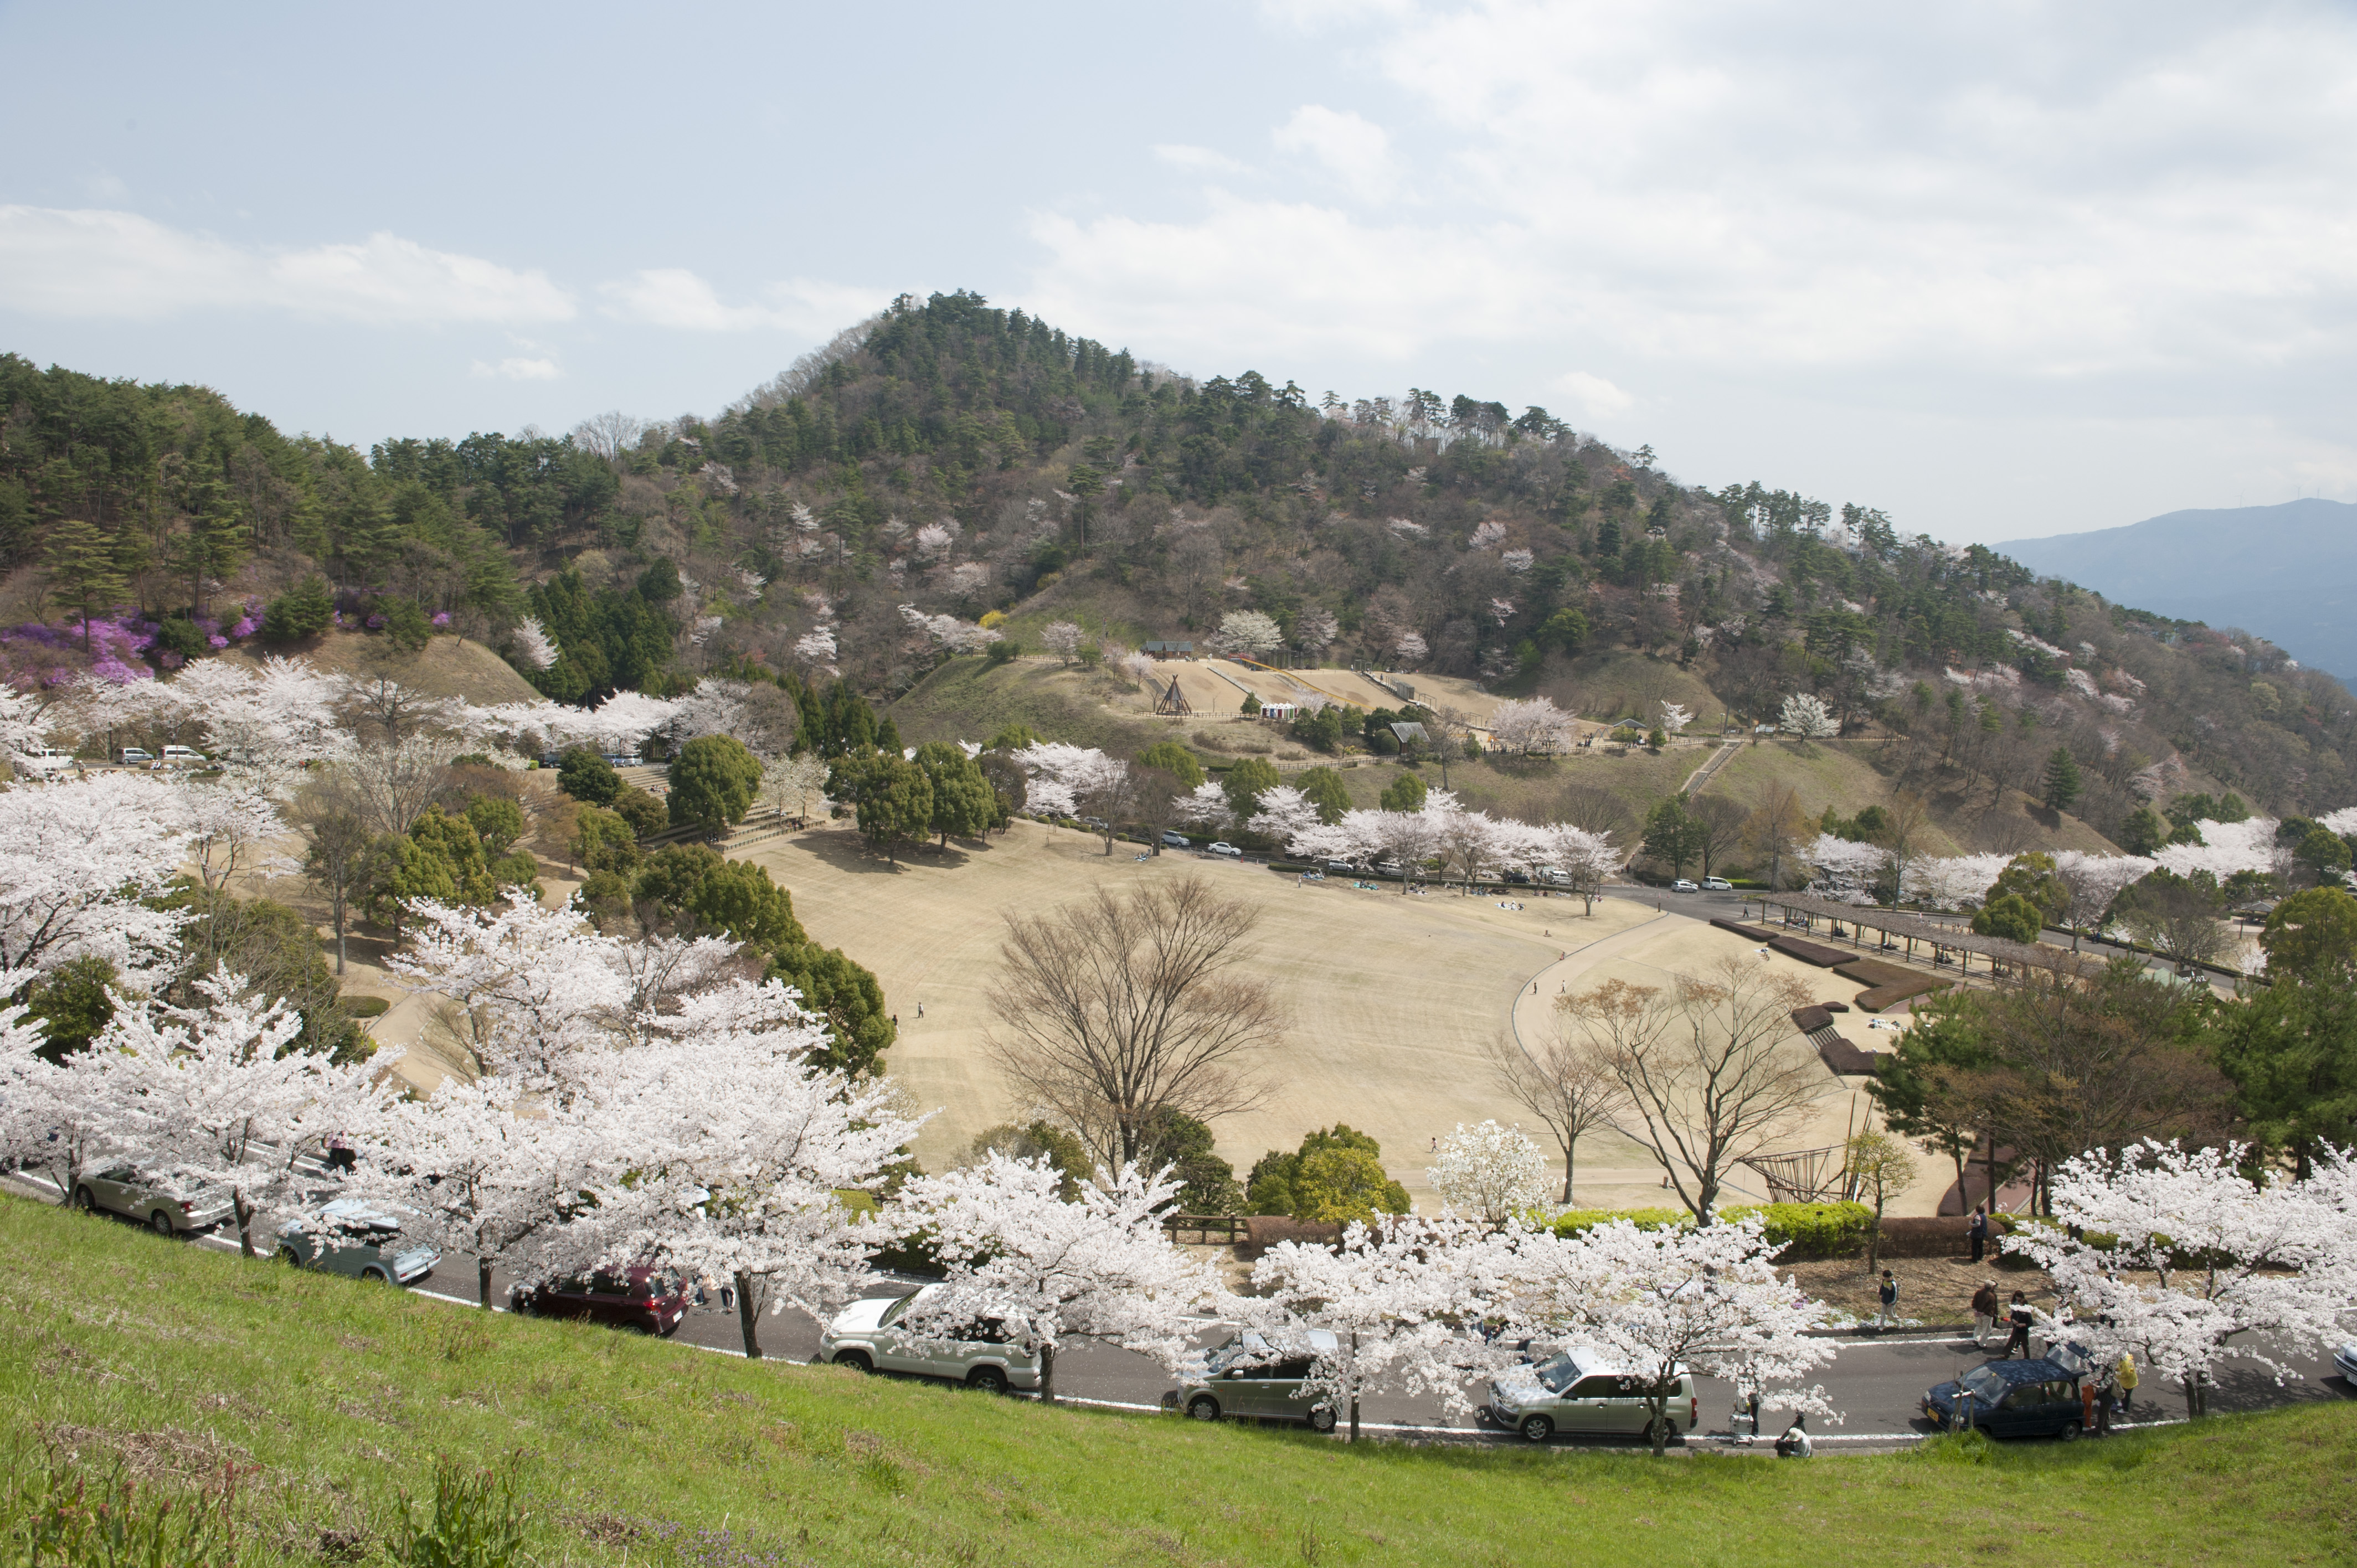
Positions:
{"x": 1579, "y": 1221}
{"x": 1812, "y": 1229}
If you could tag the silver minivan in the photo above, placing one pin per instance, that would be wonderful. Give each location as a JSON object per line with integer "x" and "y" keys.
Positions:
{"x": 867, "y": 1335}
{"x": 1252, "y": 1376}
{"x": 1580, "y": 1395}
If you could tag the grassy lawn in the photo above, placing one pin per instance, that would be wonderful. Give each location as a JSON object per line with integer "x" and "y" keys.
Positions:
{"x": 113, "y": 1343}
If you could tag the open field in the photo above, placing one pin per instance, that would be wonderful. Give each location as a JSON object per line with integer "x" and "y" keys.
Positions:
{"x": 1394, "y": 998}
{"x": 332, "y": 1397}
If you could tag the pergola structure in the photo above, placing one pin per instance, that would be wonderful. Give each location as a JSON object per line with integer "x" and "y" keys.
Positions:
{"x": 1899, "y": 931}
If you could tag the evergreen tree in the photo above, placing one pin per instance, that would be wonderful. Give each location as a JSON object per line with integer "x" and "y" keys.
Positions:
{"x": 712, "y": 784}
{"x": 303, "y": 610}
{"x": 2062, "y": 782}
{"x": 82, "y": 571}
{"x": 963, "y": 801}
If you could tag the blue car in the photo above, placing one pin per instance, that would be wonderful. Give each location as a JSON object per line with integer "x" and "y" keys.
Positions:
{"x": 2012, "y": 1399}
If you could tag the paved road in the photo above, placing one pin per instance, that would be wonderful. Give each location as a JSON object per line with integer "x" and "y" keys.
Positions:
{"x": 1876, "y": 1381}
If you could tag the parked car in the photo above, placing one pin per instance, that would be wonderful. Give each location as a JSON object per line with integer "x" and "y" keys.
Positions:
{"x": 1339, "y": 868}
{"x": 1388, "y": 867}
{"x": 1577, "y": 1394}
{"x": 351, "y": 1237}
{"x": 1228, "y": 850}
{"x": 1251, "y": 1376}
{"x": 649, "y": 1299}
{"x": 168, "y": 1199}
{"x": 866, "y": 1334}
{"x": 2012, "y": 1399}
{"x": 1173, "y": 839}
{"x": 135, "y": 756}
{"x": 1683, "y": 886}
{"x": 1516, "y": 873}
{"x": 184, "y": 757}
{"x": 1554, "y": 876}
{"x": 1718, "y": 885}
{"x": 2345, "y": 1358}
{"x": 44, "y": 760}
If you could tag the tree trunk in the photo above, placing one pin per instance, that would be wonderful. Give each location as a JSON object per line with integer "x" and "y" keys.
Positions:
{"x": 1661, "y": 1432}
{"x": 1567, "y": 1177}
{"x": 339, "y": 933}
{"x": 246, "y": 1212}
{"x": 749, "y": 1316}
{"x": 483, "y": 1282}
{"x": 1354, "y": 1385}
{"x": 1047, "y": 1374}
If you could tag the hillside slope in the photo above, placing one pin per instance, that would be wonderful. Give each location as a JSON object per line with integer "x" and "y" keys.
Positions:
{"x": 2286, "y": 572}
{"x": 333, "y": 1398}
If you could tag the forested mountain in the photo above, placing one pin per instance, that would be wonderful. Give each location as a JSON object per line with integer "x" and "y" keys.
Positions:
{"x": 2289, "y": 569}
{"x": 949, "y": 462}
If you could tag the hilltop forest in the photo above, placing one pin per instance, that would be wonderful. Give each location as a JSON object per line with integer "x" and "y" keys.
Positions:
{"x": 951, "y": 463}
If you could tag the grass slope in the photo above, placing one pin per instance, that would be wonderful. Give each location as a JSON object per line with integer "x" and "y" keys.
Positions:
{"x": 972, "y": 699}
{"x": 446, "y": 667}
{"x": 631, "y": 1449}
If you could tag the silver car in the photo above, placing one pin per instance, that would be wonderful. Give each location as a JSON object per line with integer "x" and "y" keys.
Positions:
{"x": 2345, "y": 1358}
{"x": 351, "y": 1237}
{"x": 167, "y": 1199}
{"x": 866, "y": 1334}
{"x": 1251, "y": 1376}
{"x": 1569, "y": 1393}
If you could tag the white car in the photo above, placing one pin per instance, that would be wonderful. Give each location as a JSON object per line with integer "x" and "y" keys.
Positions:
{"x": 183, "y": 756}
{"x": 1682, "y": 886}
{"x": 2345, "y": 1358}
{"x": 43, "y": 760}
{"x": 1229, "y": 850}
{"x": 136, "y": 756}
{"x": 1718, "y": 885}
{"x": 866, "y": 1334}
{"x": 1573, "y": 1392}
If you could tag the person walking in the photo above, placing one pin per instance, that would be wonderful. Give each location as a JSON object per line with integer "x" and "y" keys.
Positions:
{"x": 2020, "y": 1317}
{"x": 2125, "y": 1372}
{"x": 1978, "y": 1231}
{"x": 1889, "y": 1315}
{"x": 1985, "y": 1311}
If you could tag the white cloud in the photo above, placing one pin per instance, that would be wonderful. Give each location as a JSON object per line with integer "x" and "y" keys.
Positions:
{"x": 674, "y": 297}
{"x": 1593, "y": 395}
{"x": 519, "y": 369}
{"x": 1252, "y": 275}
{"x": 1200, "y": 160}
{"x": 1355, "y": 151}
{"x": 98, "y": 262}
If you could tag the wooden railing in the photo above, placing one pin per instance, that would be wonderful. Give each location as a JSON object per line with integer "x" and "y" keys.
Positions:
{"x": 1206, "y": 1230}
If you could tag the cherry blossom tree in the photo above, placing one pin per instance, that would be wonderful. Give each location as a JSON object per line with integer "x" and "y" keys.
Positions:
{"x": 1587, "y": 860}
{"x": 816, "y": 646}
{"x": 1284, "y": 815}
{"x": 79, "y": 862}
{"x": 2094, "y": 882}
{"x": 1846, "y": 870}
{"x": 1098, "y": 1269}
{"x": 55, "y": 1117}
{"x": 230, "y": 826}
{"x": 1403, "y": 1301}
{"x": 1063, "y": 639}
{"x": 1248, "y": 634}
{"x": 207, "y": 1088}
{"x": 1535, "y": 724}
{"x": 742, "y": 1147}
{"x": 1465, "y": 840}
{"x": 273, "y": 719}
{"x": 1660, "y": 1301}
{"x": 2263, "y": 1271}
{"x": 789, "y": 784}
{"x": 1315, "y": 629}
{"x": 1410, "y": 650}
{"x": 1953, "y": 881}
{"x": 954, "y": 635}
{"x": 493, "y": 1171}
{"x": 1490, "y": 1171}
{"x": 1204, "y": 808}
{"x": 2225, "y": 849}
{"x": 1674, "y": 718}
{"x": 530, "y": 989}
{"x": 535, "y": 649}
{"x": 1808, "y": 717}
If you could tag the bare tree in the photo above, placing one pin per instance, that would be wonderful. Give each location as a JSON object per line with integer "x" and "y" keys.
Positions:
{"x": 1447, "y": 727}
{"x": 1566, "y": 1082}
{"x": 1776, "y": 831}
{"x": 393, "y": 713}
{"x": 1116, "y": 1009}
{"x": 342, "y": 854}
{"x": 1710, "y": 1066}
{"x": 1154, "y": 802}
{"x": 608, "y": 434}
{"x": 1909, "y": 818}
{"x": 392, "y": 783}
{"x": 1717, "y": 827}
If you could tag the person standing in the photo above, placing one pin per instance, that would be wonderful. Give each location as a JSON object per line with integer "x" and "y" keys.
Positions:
{"x": 2126, "y": 1374}
{"x": 1978, "y": 1231}
{"x": 2020, "y": 1317}
{"x": 1889, "y": 1315}
{"x": 728, "y": 1294}
{"x": 1984, "y": 1313}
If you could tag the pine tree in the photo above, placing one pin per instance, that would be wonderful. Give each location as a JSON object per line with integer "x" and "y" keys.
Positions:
{"x": 2062, "y": 782}
{"x": 80, "y": 561}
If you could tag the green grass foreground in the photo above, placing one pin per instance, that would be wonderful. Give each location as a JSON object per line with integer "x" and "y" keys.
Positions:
{"x": 114, "y": 1343}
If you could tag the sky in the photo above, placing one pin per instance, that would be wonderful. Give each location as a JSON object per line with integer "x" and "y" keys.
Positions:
{"x": 2004, "y": 271}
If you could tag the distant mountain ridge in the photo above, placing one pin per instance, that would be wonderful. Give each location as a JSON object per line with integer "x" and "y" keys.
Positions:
{"x": 2287, "y": 572}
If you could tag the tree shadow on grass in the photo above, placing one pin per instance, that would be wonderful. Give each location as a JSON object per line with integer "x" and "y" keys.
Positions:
{"x": 849, "y": 851}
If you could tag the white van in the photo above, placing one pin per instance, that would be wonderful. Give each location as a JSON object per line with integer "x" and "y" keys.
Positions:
{"x": 182, "y": 757}
{"x": 43, "y": 760}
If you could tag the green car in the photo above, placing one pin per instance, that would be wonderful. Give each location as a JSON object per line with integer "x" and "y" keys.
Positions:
{"x": 353, "y": 1238}
{"x": 1249, "y": 1377}
{"x": 1570, "y": 1394}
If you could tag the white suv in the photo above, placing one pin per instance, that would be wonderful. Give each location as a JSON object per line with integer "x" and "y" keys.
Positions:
{"x": 865, "y": 1335}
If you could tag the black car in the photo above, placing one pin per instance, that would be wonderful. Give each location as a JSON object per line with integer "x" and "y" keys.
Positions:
{"x": 2012, "y": 1399}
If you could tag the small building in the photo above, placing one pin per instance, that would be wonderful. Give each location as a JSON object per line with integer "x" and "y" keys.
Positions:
{"x": 1169, "y": 649}
{"x": 1279, "y": 712}
{"x": 1409, "y": 734}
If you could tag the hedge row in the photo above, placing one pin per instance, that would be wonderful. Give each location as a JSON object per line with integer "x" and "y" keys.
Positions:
{"x": 1799, "y": 1229}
